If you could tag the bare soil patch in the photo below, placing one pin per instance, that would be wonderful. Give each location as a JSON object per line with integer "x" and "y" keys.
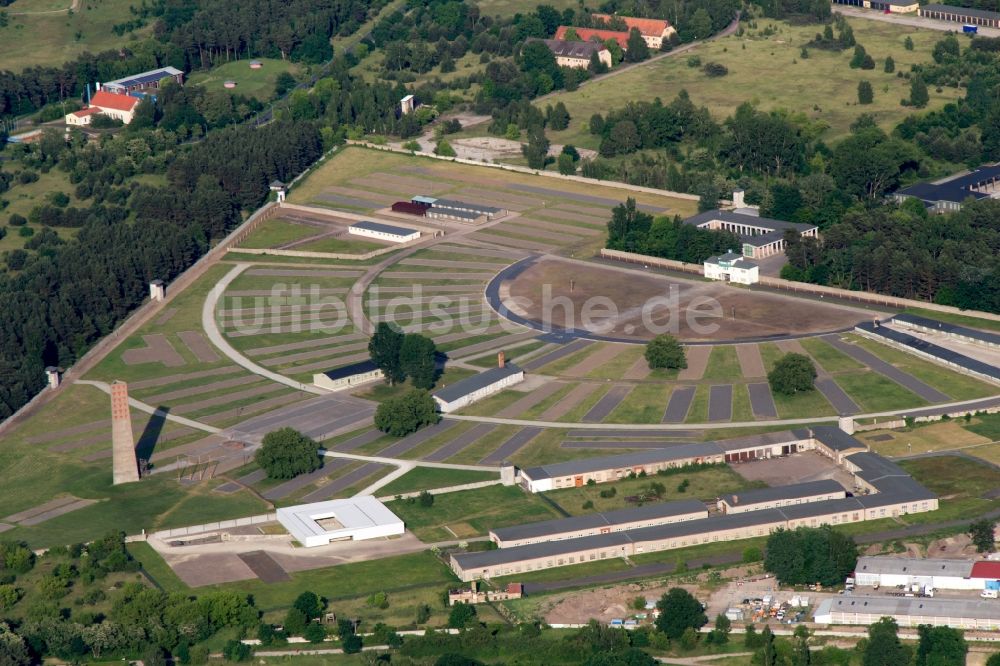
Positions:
{"x": 693, "y": 311}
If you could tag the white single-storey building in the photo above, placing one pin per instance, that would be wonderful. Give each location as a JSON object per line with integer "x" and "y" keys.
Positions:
{"x": 732, "y": 267}
{"x": 941, "y": 574}
{"x": 353, "y": 519}
{"x": 384, "y": 232}
{"x": 114, "y": 105}
{"x": 911, "y": 612}
{"x": 467, "y": 391}
{"x": 348, "y": 376}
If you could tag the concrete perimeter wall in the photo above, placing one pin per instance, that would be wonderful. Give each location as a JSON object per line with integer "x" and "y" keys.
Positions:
{"x": 442, "y": 491}
{"x": 220, "y": 525}
{"x": 801, "y": 287}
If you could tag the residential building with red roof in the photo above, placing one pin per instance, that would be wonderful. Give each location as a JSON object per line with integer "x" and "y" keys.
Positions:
{"x": 653, "y": 31}
{"x": 120, "y": 107}
{"x": 591, "y": 35}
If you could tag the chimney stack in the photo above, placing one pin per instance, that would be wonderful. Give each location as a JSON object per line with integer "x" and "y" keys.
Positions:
{"x": 501, "y": 360}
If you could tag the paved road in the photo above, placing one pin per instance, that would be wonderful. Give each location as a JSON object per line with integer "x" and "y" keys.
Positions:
{"x": 761, "y": 400}
{"x": 678, "y": 405}
{"x": 720, "y": 402}
{"x": 512, "y": 445}
{"x": 607, "y": 404}
{"x": 215, "y": 335}
{"x": 928, "y": 393}
{"x": 910, "y": 20}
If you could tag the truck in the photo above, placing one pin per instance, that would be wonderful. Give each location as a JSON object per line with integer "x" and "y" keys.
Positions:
{"x": 970, "y": 29}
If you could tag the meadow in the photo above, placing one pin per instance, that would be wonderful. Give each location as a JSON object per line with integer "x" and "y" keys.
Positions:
{"x": 766, "y": 68}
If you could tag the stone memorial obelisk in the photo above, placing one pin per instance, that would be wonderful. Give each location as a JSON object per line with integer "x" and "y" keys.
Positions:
{"x": 125, "y": 467}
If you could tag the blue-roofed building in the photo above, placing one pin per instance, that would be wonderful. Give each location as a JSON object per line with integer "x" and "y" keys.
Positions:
{"x": 154, "y": 78}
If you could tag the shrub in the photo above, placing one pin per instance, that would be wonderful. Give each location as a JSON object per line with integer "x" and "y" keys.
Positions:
{"x": 715, "y": 69}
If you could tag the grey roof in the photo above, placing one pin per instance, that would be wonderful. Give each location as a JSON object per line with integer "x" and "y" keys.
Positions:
{"x": 835, "y": 438}
{"x": 961, "y": 11}
{"x": 914, "y": 566}
{"x": 946, "y": 609}
{"x": 666, "y": 454}
{"x": 384, "y": 228}
{"x": 763, "y": 439}
{"x": 793, "y": 491}
{"x": 464, "y": 387}
{"x": 571, "y": 49}
{"x": 947, "y": 355}
{"x": 359, "y": 368}
{"x": 454, "y": 203}
{"x": 776, "y": 227}
{"x": 568, "y": 546}
{"x": 956, "y": 189}
{"x": 144, "y": 78}
{"x": 875, "y": 467}
{"x": 596, "y": 520}
{"x": 453, "y": 212}
{"x": 945, "y": 327}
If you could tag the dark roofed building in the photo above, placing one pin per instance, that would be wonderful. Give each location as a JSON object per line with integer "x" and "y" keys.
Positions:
{"x": 467, "y": 391}
{"x": 761, "y": 236}
{"x": 949, "y": 195}
{"x": 930, "y": 350}
{"x": 927, "y": 325}
{"x": 348, "y": 376}
{"x": 576, "y": 54}
{"x": 781, "y": 496}
{"x": 599, "y": 523}
{"x": 385, "y": 232}
{"x": 144, "y": 80}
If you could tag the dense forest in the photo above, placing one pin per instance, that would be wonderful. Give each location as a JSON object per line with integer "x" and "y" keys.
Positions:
{"x": 193, "y": 35}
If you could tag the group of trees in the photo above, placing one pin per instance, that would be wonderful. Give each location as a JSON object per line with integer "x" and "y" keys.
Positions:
{"x": 664, "y": 351}
{"x": 633, "y": 230}
{"x": 287, "y": 453}
{"x": 809, "y": 555}
{"x": 68, "y": 295}
{"x": 792, "y": 373}
{"x": 404, "y": 414}
{"x": 403, "y": 355}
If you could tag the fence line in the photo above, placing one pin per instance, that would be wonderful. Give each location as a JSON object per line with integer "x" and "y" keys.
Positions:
{"x": 218, "y": 525}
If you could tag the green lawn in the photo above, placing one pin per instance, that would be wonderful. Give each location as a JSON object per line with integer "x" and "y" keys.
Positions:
{"x": 645, "y": 404}
{"x": 954, "y": 384}
{"x": 471, "y": 513}
{"x": 704, "y": 484}
{"x": 802, "y": 405}
{"x": 829, "y": 357}
{"x": 698, "y": 411}
{"x": 769, "y": 71}
{"x": 960, "y": 481}
{"x": 962, "y": 320}
{"x": 257, "y": 83}
{"x": 340, "y": 245}
{"x": 723, "y": 365}
{"x": 988, "y": 426}
{"x": 52, "y": 39}
{"x": 275, "y": 232}
{"x": 876, "y": 393}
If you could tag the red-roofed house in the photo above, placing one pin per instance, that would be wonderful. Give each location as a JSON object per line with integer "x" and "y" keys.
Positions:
{"x": 590, "y": 35}
{"x": 987, "y": 569}
{"x": 121, "y": 107}
{"x": 653, "y": 31}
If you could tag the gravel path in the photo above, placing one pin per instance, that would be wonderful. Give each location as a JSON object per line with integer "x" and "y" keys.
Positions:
{"x": 751, "y": 364}
{"x": 720, "y": 402}
{"x": 678, "y": 405}
{"x": 697, "y": 361}
{"x": 607, "y": 404}
{"x": 512, "y": 445}
{"x": 569, "y": 401}
{"x": 761, "y": 401}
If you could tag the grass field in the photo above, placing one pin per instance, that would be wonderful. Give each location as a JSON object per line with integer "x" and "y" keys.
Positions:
{"x": 829, "y": 357}
{"x": 769, "y": 71}
{"x": 276, "y": 231}
{"x": 511, "y": 7}
{"x": 959, "y": 481}
{"x": 925, "y": 438}
{"x": 257, "y": 83}
{"x": 702, "y": 484}
{"x": 425, "y": 478}
{"x": 52, "y": 39}
{"x": 471, "y": 513}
